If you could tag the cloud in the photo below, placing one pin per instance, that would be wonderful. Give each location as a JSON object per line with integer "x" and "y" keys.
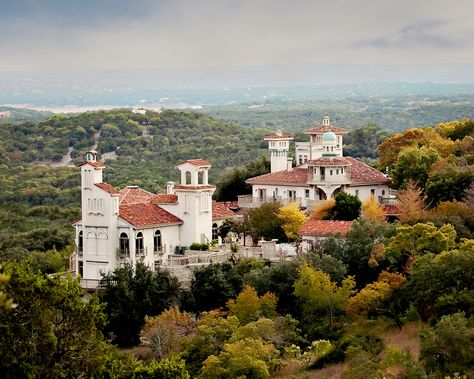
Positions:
{"x": 77, "y": 34}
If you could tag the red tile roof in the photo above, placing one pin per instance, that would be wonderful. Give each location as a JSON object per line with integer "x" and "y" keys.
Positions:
{"x": 296, "y": 176}
{"x": 277, "y": 136}
{"x": 324, "y": 129}
{"x": 325, "y": 227}
{"x": 196, "y": 162}
{"x": 146, "y": 215}
{"x": 362, "y": 173}
{"x": 107, "y": 187}
{"x": 94, "y": 164}
{"x": 133, "y": 194}
{"x": 195, "y": 187}
{"x": 164, "y": 198}
{"x": 329, "y": 161}
{"x": 220, "y": 209}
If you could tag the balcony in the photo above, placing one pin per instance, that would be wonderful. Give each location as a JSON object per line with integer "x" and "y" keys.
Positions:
{"x": 141, "y": 252}
{"x": 159, "y": 250}
{"x": 330, "y": 179}
{"x": 123, "y": 253}
{"x": 248, "y": 201}
{"x": 388, "y": 200}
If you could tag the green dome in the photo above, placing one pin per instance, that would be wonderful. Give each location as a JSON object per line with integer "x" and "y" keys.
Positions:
{"x": 329, "y": 137}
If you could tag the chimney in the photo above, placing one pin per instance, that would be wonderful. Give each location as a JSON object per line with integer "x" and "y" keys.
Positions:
{"x": 170, "y": 188}
{"x": 290, "y": 164}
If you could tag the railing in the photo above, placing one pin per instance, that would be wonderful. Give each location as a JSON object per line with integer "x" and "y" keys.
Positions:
{"x": 89, "y": 284}
{"x": 248, "y": 201}
{"x": 159, "y": 250}
{"x": 141, "y": 252}
{"x": 332, "y": 179}
{"x": 123, "y": 253}
{"x": 310, "y": 204}
{"x": 388, "y": 200}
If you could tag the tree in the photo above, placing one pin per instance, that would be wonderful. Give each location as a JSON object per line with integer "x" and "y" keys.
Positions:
{"x": 165, "y": 333}
{"x": 279, "y": 279}
{"x": 321, "y": 299}
{"x": 372, "y": 210}
{"x": 263, "y": 222}
{"x": 228, "y": 225}
{"x": 411, "y": 205}
{"x": 391, "y": 147}
{"x": 413, "y": 163}
{"x": 133, "y": 293}
{"x": 213, "y": 285}
{"x": 442, "y": 284}
{"x": 246, "y": 358}
{"x": 448, "y": 184}
{"x": 248, "y": 306}
{"x": 52, "y": 332}
{"x": 448, "y": 347}
{"x": 373, "y": 296}
{"x": 410, "y": 242}
{"x": 346, "y": 208}
{"x": 292, "y": 218}
{"x": 363, "y": 142}
{"x": 321, "y": 210}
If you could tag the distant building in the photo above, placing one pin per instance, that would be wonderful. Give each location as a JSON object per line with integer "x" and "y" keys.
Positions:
{"x": 5, "y": 114}
{"x": 321, "y": 172}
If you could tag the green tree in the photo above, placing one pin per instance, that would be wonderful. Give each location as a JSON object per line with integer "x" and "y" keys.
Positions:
{"x": 248, "y": 306}
{"x": 410, "y": 242}
{"x": 263, "y": 222}
{"x": 52, "y": 332}
{"x": 213, "y": 285}
{"x": 413, "y": 163}
{"x": 131, "y": 293}
{"x": 246, "y": 358}
{"x": 448, "y": 184}
{"x": 321, "y": 300}
{"x": 448, "y": 347}
{"x": 346, "y": 208}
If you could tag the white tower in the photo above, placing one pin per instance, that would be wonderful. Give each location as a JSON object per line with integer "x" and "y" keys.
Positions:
{"x": 278, "y": 144}
{"x": 194, "y": 201}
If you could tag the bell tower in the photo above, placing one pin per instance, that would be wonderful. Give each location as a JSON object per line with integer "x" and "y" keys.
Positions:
{"x": 278, "y": 145}
{"x": 194, "y": 201}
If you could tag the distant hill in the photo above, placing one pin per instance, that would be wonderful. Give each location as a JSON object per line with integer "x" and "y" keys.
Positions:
{"x": 23, "y": 114}
{"x": 139, "y": 149}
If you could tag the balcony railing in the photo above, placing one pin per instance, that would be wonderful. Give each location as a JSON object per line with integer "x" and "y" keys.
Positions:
{"x": 388, "y": 200}
{"x": 141, "y": 252}
{"x": 248, "y": 201}
{"x": 123, "y": 253}
{"x": 159, "y": 250}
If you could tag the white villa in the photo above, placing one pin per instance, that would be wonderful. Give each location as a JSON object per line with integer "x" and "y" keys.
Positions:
{"x": 134, "y": 225}
{"x": 321, "y": 173}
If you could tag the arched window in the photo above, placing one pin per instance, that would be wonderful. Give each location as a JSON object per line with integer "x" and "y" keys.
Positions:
{"x": 124, "y": 244}
{"x": 80, "y": 243}
{"x": 188, "y": 178}
{"x": 139, "y": 244}
{"x": 215, "y": 236}
{"x": 157, "y": 244}
{"x": 201, "y": 177}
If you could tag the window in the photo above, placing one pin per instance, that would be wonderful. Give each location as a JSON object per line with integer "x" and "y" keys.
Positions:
{"x": 81, "y": 269}
{"x": 357, "y": 192}
{"x": 139, "y": 244}
{"x": 157, "y": 265}
{"x": 187, "y": 178}
{"x": 337, "y": 172}
{"x": 200, "y": 177}
{"x": 124, "y": 246}
{"x": 306, "y": 193}
{"x": 157, "y": 244}
{"x": 330, "y": 172}
{"x": 383, "y": 192}
{"x": 80, "y": 243}
{"x": 215, "y": 236}
{"x": 292, "y": 195}
{"x": 372, "y": 191}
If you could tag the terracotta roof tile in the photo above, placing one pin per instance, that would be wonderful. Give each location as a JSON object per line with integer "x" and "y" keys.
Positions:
{"x": 196, "y": 162}
{"x": 146, "y": 214}
{"x": 220, "y": 209}
{"x": 295, "y": 176}
{"x": 195, "y": 187}
{"x": 324, "y": 129}
{"x": 362, "y": 173}
{"x": 107, "y": 187}
{"x": 164, "y": 198}
{"x": 94, "y": 164}
{"x": 325, "y": 227}
{"x": 133, "y": 194}
{"x": 329, "y": 161}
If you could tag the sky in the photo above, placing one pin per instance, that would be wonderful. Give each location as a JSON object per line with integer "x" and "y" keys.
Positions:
{"x": 57, "y": 35}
